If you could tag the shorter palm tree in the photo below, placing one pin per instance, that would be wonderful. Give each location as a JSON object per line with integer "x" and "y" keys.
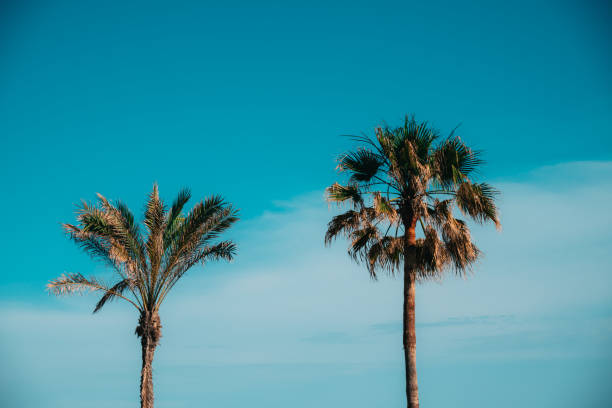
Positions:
{"x": 147, "y": 266}
{"x": 403, "y": 186}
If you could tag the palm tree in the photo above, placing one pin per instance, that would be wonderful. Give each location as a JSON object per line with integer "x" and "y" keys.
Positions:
{"x": 147, "y": 267}
{"x": 402, "y": 188}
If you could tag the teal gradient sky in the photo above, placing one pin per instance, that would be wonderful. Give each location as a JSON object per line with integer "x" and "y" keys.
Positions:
{"x": 249, "y": 100}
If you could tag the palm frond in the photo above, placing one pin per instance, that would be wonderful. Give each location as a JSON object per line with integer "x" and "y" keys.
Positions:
{"x": 453, "y": 161}
{"x": 218, "y": 223}
{"x": 115, "y": 291}
{"x": 361, "y": 240}
{"x": 431, "y": 255}
{"x": 175, "y": 212}
{"x": 116, "y": 224}
{"x": 386, "y": 141}
{"x": 132, "y": 236}
{"x": 95, "y": 246}
{"x": 107, "y": 226}
{"x": 225, "y": 250}
{"x": 372, "y": 144}
{"x": 191, "y": 241}
{"x": 97, "y": 221}
{"x": 342, "y": 224}
{"x": 73, "y": 283}
{"x": 77, "y": 283}
{"x": 478, "y": 201}
{"x": 461, "y": 250}
{"x": 439, "y": 212}
{"x": 154, "y": 220}
{"x": 200, "y": 227}
{"x": 338, "y": 193}
{"x": 384, "y": 207}
{"x": 362, "y": 164}
{"x": 386, "y": 253}
{"x": 421, "y": 136}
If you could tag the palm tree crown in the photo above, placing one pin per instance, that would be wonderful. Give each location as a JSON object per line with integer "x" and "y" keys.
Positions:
{"x": 404, "y": 178}
{"x": 147, "y": 267}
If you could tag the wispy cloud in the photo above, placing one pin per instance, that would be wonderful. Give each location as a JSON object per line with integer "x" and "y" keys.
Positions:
{"x": 288, "y": 300}
{"x": 396, "y": 326}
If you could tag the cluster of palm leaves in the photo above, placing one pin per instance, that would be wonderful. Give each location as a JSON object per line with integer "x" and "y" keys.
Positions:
{"x": 403, "y": 180}
{"x": 403, "y": 188}
{"x": 147, "y": 266}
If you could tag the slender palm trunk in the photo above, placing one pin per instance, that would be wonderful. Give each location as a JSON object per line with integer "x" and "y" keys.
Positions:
{"x": 146, "y": 374}
{"x": 149, "y": 330}
{"x": 412, "y": 387}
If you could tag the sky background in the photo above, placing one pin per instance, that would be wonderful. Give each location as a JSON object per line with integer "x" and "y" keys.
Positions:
{"x": 249, "y": 100}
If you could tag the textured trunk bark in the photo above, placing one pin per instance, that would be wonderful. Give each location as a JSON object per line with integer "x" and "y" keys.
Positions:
{"x": 146, "y": 374}
{"x": 149, "y": 331}
{"x": 412, "y": 388}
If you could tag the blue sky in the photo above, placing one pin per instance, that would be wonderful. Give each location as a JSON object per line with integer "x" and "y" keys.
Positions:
{"x": 250, "y": 100}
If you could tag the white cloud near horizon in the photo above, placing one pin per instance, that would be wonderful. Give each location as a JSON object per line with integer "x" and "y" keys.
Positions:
{"x": 541, "y": 292}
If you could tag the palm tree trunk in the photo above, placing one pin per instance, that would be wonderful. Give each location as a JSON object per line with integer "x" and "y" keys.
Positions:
{"x": 149, "y": 330}
{"x": 412, "y": 387}
{"x": 146, "y": 374}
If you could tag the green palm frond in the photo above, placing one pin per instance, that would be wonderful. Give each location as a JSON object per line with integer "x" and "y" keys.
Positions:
{"x": 132, "y": 236}
{"x": 386, "y": 142}
{"x": 174, "y": 214}
{"x": 372, "y": 144}
{"x": 116, "y": 224}
{"x": 453, "y": 161}
{"x": 338, "y": 193}
{"x": 186, "y": 235}
{"x": 420, "y": 135}
{"x": 107, "y": 225}
{"x": 384, "y": 207}
{"x": 109, "y": 251}
{"x": 191, "y": 241}
{"x": 362, "y": 164}
{"x": 225, "y": 250}
{"x": 218, "y": 223}
{"x": 97, "y": 221}
{"x": 205, "y": 223}
{"x": 112, "y": 293}
{"x": 154, "y": 220}
{"x": 478, "y": 201}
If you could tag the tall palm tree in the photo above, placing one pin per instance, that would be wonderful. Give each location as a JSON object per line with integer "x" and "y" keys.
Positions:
{"x": 147, "y": 265}
{"x": 403, "y": 186}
